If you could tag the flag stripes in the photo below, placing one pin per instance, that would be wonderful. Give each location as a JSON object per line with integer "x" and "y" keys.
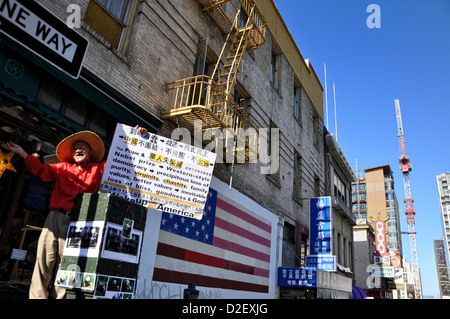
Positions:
{"x": 235, "y": 254}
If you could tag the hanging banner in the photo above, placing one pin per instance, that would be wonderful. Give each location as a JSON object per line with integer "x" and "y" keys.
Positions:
{"x": 380, "y": 235}
{"x": 158, "y": 172}
{"x": 320, "y": 225}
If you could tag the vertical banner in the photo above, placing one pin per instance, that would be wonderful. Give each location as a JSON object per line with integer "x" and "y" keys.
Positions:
{"x": 380, "y": 238}
{"x": 158, "y": 173}
{"x": 320, "y": 226}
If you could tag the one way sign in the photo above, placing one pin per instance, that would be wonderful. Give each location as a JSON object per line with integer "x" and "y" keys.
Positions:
{"x": 38, "y": 30}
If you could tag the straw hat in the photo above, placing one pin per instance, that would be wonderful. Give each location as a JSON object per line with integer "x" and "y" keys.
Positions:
{"x": 64, "y": 148}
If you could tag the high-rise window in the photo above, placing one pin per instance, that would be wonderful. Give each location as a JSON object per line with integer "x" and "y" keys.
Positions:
{"x": 296, "y": 104}
{"x": 111, "y": 19}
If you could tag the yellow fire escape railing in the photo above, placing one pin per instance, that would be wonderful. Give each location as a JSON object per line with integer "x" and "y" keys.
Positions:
{"x": 201, "y": 98}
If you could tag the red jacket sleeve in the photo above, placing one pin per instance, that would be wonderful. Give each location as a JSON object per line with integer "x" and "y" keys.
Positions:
{"x": 46, "y": 172}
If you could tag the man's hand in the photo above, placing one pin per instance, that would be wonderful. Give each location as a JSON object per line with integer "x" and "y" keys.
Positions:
{"x": 10, "y": 146}
{"x": 141, "y": 130}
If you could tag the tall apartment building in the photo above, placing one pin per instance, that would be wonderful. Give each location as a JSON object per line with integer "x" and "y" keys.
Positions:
{"x": 443, "y": 185}
{"x": 442, "y": 268}
{"x": 142, "y": 59}
{"x": 377, "y": 197}
{"x": 375, "y": 203}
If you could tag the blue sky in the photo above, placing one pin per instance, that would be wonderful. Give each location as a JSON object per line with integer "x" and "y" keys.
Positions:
{"x": 407, "y": 58}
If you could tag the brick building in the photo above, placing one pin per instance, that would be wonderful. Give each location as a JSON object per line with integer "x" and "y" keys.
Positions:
{"x": 137, "y": 51}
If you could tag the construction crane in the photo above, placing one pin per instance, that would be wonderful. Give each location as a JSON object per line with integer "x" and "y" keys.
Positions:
{"x": 405, "y": 167}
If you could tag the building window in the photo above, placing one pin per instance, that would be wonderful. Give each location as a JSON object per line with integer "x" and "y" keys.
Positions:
{"x": 50, "y": 94}
{"x": 99, "y": 123}
{"x": 111, "y": 19}
{"x": 241, "y": 97}
{"x": 297, "y": 101}
{"x": 77, "y": 109}
{"x": 275, "y": 67}
{"x": 316, "y": 186}
{"x": 297, "y": 176}
{"x": 304, "y": 249}
{"x": 316, "y": 132}
{"x": 118, "y": 8}
{"x": 340, "y": 191}
{"x": 243, "y": 18}
{"x": 275, "y": 176}
{"x": 289, "y": 255}
{"x": 205, "y": 61}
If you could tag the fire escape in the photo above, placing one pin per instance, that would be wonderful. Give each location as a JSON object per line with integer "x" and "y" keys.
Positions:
{"x": 209, "y": 98}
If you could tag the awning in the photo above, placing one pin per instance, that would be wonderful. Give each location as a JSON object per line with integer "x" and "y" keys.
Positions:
{"x": 358, "y": 293}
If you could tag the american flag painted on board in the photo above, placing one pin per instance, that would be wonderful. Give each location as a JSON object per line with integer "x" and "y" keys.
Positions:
{"x": 229, "y": 248}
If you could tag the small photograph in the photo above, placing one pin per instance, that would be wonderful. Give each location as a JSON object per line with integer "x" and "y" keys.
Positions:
{"x": 102, "y": 285}
{"x": 74, "y": 279}
{"x": 117, "y": 247}
{"x": 88, "y": 281}
{"x": 127, "y": 228}
{"x": 62, "y": 278}
{"x": 84, "y": 238}
{"x": 114, "y": 283}
{"x": 128, "y": 285}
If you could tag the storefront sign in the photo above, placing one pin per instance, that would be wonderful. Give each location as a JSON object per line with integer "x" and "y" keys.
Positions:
{"x": 324, "y": 262}
{"x": 380, "y": 235}
{"x": 320, "y": 225}
{"x": 18, "y": 254}
{"x": 297, "y": 277}
{"x": 40, "y": 31}
{"x": 158, "y": 172}
{"x": 398, "y": 276}
{"x": 386, "y": 272}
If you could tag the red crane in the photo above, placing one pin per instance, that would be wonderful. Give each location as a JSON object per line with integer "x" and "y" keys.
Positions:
{"x": 405, "y": 167}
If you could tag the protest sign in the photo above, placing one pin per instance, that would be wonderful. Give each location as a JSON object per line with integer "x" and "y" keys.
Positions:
{"x": 157, "y": 172}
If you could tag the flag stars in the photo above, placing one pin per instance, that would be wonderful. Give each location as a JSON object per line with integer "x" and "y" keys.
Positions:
{"x": 190, "y": 228}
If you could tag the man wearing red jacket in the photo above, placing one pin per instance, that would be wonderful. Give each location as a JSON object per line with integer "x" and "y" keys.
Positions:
{"x": 80, "y": 170}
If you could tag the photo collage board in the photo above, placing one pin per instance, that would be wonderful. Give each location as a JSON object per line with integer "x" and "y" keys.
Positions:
{"x": 101, "y": 240}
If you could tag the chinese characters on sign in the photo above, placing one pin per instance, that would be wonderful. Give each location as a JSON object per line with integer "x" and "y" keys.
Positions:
{"x": 297, "y": 277}
{"x": 320, "y": 231}
{"x": 320, "y": 225}
{"x": 380, "y": 238}
{"x": 380, "y": 235}
{"x": 158, "y": 172}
